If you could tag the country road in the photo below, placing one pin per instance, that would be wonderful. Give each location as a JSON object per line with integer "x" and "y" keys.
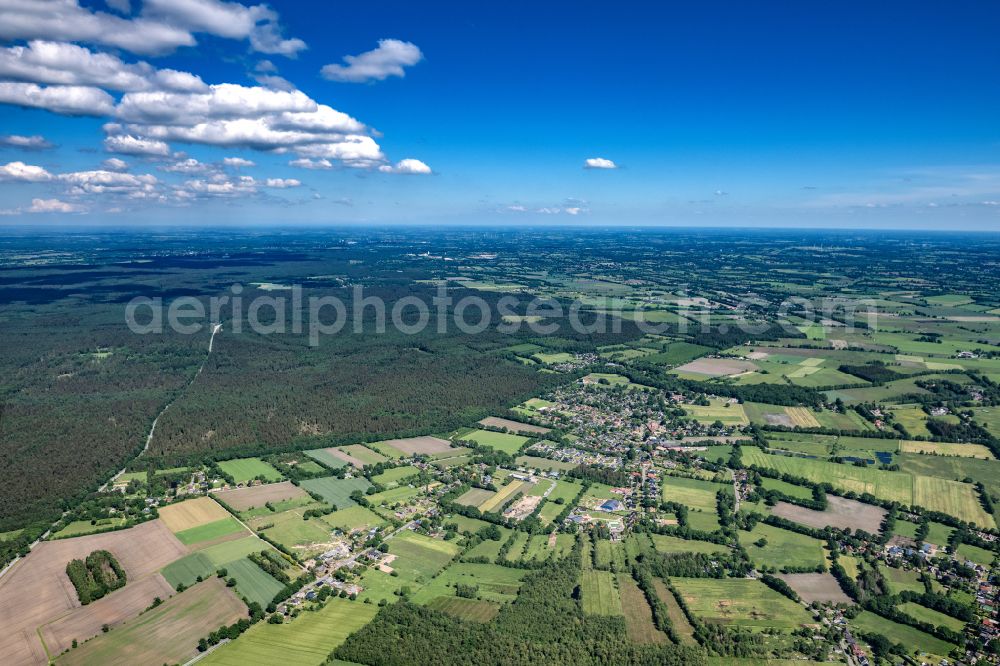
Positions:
{"x": 149, "y": 438}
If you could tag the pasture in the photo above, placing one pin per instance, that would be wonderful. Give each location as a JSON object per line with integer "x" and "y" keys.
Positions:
{"x": 740, "y": 602}
{"x": 166, "y": 634}
{"x": 722, "y": 411}
{"x": 667, "y": 544}
{"x": 352, "y": 518}
{"x": 638, "y": 614}
{"x": 507, "y": 492}
{"x": 420, "y": 558}
{"x": 357, "y": 455}
{"x": 393, "y": 476}
{"x": 337, "y": 492}
{"x": 906, "y": 635}
{"x": 475, "y": 497}
{"x": 946, "y": 449}
{"x": 694, "y": 493}
{"x": 500, "y": 441}
{"x": 253, "y": 582}
{"x": 599, "y": 593}
{"x": 210, "y": 531}
{"x": 247, "y": 469}
{"x": 304, "y": 641}
{"x": 783, "y": 548}
{"x": 496, "y": 583}
{"x": 471, "y": 610}
{"x": 931, "y": 616}
{"x": 305, "y": 538}
{"x": 513, "y": 426}
{"x": 787, "y": 489}
{"x": 326, "y": 458}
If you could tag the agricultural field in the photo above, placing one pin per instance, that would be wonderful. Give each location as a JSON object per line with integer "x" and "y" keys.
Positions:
{"x": 252, "y": 582}
{"x": 213, "y": 531}
{"x": 599, "y": 593}
{"x": 353, "y": 518}
{"x": 191, "y": 513}
{"x": 326, "y": 458}
{"x": 168, "y": 633}
{"x": 496, "y": 583}
{"x": 931, "y": 616}
{"x": 244, "y": 499}
{"x": 901, "y": 580}
{"x": 816, "y": 587}
{"x": 420, "y": 558}
{"x": 356, "y": 455}
{"x": 394, "y": 476}
{"x": 947, "y": 449}
{"x": 840, "y": 512}
{"x": 475, "y": 497}
{"x": 504, "y": 494}
{"x": 694, "y": 493}
{"x": 869, "y": 622}
{"x": 500, "y": 441}
{"x": 247, "y": 469}
{"x": 788, "y": 489}
{"x": 305, "y": 641}
{"x": 638, "y": 615}
{"x": 740, "y": 602}
{"x": 773, "y": 547}
{"x": 534, "y": 462}
{"x": 513, "y": 426}
{"x": 337, "y": 492}
{"x": 664, "y": 543}
{"x": 722, "y": 411}
{"x": 304, "y": 537}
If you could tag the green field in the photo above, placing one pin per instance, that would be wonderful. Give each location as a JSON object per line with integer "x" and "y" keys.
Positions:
{"x": 931, "y": 616}
{"x": 227, "y": 551}
{"x": 901, "y": 580}
{"x": 209, "y": 531}
{"x": 599, "y": 593}
{"x": 784, "y": 548}
{"x": 187, "y": 569}
{"x": 490, "y": 549}
{"x": 326, "y": 458}
{"x": 976, "y": 554}
{"x": 471, "y": 610}
{"x": 246, "y": 469}
{"x": 501, "y": 441}
{"x": 694, "y": 493}
{"x": 723, "y": 411}
{"x": 638, "y": 615}
{"x": 305, "y": 641}
{"x": 507, "y": 492}
{"x": 81, "y": 527}
{"x": 664, "y": 543}
{"x": 785, "y": 488}
{"x": 909, "y": 637}
{"x": 395, "y": 475}
{"x": 305, "y": 538}
{"x": 419, "y": 557}
{"x": 533, "y": 462}
{"x": 354, "y": 517}
{"x": 740, "y": 602}
{"x": 252, "y": 582}
{"x": 336, "y": 491}
{"x": 363, "y": 453}
{"x": 495, "y": 583}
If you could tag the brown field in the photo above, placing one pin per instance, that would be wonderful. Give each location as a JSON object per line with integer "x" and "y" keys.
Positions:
{"x": 191, "y": 513}
{"x": 37, "y": 591}
{"x": 514, "y": 426}
{"x": 242, "y": 499}
{"x": 475, "y": 497}
{"x": 816, "y": 587}
{"x": 840, "y": 513}
{"x": 121, "y": 605}
{"x": 167, "y": 634}
{"x": 716, "y": 367}
{"x": 638, "y": 615}
{"x": 419, "y": 445}
{"x": 802, "y": 416}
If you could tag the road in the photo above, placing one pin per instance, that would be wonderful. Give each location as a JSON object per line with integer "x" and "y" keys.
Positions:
{"x": 217, "y": 328}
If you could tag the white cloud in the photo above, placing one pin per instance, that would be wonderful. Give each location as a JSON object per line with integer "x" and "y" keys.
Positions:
{"x": 237, "y": 162}
{"x": 53, "y": 206}
{"x": 137, "y": 186}
{"x": 127, "y": 144}
{"x": 67, "y": 100}
{"x": 25, "y": 173}
{"x": 306, "y": 163}
{"x": 34, "y": 142}
{"x": 69, "y": 64}
{"x": 163, "y": 26}
{"x": 599, "y": 163}
{"x": 189, "y": 165}
{"x": 388, "y": 59}
{"x": 120, "y": 6}
{"x": 282, "y": 183}
{"x": 115, "y": 164}
{"x": 407, "y": 166}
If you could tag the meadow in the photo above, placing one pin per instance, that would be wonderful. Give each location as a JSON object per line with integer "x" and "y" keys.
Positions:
{"x": 599, "y": 593}
{"x": 900, "y": 633}
{"x": 500, "y": 441}
{"x": 247, "y": 469}
{"x": 337, "y": 492}
{"x": 740, "y": 602}
{"x": 783, "y": 548}
{"x": 692, "y": 492}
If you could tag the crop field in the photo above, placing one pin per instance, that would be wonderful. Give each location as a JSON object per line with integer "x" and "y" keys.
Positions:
{"x": 186, "y": 570}
{"x": 357, "y": 455}
{"x": 166, "y": 634}
{"x": 392, "y": 496}
{"x": 514, "y": 426}
{"x": 244, "y": 499}
{"x": 949, "y": 467}
{"x": 247, "y": 469}
{"x": 505, "y": 493}
{"x": 664, "y": 543}
{"x": 952, "y": 497}
{"x": 191, "y": 513}
{"x": 714, "y": 367}
{"x": 720, "y": 410}
{"x": 253, "y": 582}
{"x": 475, "y": 497}
{"x": 812, "y": 445}
{"x": 496, "y": 583}
{"x": 336, "y": 491}
{"x": 911, "y": 638}
{"x": 122, "y": 605}
{"x": 822, "y": 587}
{"x": 692, "y": 492}
{"x": 305, "y": 538}
{"x": 740, "y": 602}
{"x": 36, "y": 590}
{"x": 498, "y": 440}
{"x": 420, "y": 558}
{"x": 223, "y": 553}
{"x": 305, "y": 641}
{"x": 931, "y": 616}
{"x": 404, "y": 448}
{"x": 779, "y": 415}
{"x": 352, "y": 518}
{"x": 840, "y": 512}
{"x": 395, "y": 475}
{"x": 784, "y": 548}
{"x": 893, "y": 486}
{"x": 471, "y": 610}
{"x": 210, "y": 531}
{"x": 638, "y": 615}
{"x": 946, "y": 449}
{"x": 326, "y": 457}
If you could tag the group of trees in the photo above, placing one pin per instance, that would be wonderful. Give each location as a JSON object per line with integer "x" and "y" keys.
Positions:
{"x": 95, "y": 576}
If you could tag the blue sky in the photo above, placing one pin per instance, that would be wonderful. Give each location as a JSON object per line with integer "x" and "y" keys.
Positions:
{"x": 711, "y": 113}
